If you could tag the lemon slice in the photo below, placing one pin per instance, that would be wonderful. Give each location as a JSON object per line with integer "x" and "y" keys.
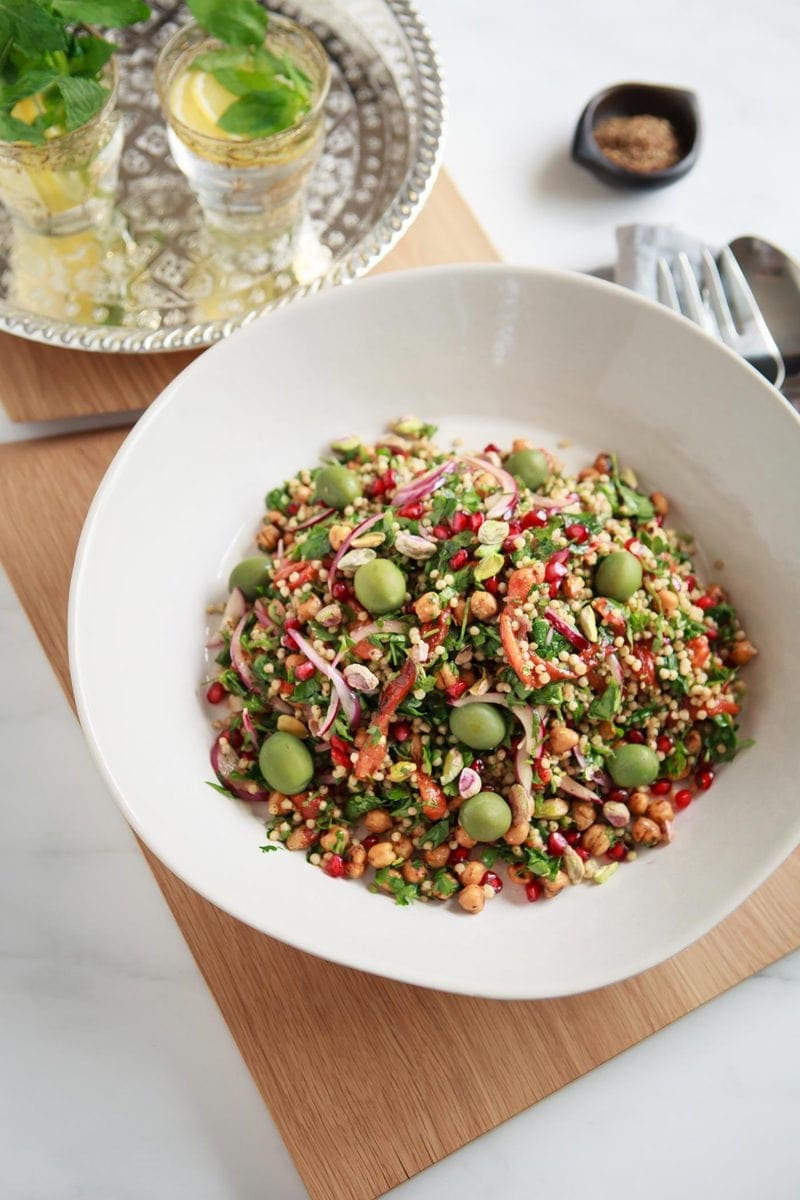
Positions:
{"x": 198, "y": 101}
{"x": 28, "y": 110}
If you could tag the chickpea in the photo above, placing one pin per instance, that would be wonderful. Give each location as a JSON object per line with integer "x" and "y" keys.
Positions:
{"x": 583, "y": 813}
{"x": 602, "y": 463}
{"x": 572, "y": 587}
{"x": 403, "y": 848}
{"x": 660, "y": 503}
{"x": 309, "y": 608}
{"x": 669, "y": 602}
{"x": 485, "y": 483}
{"x": 471, "y": 898}
{"x": 336, "y": 839}
{"x": 587, "y": 473}
{"x": 268, "y": 537}
{"x": 438, "y": 857}
{"x": 660, "y": 810}
{"x": 638, "y": 803}
{"x": 562, "y": 739}
{"x": 302, "y": 493}
{"x": 355, "y": 862}
{"x": 413, "y": 872}
{"x": 741, "y": 652}
{"x": 693, "y": 741}
{"x": 301, "y": 838}
{"x": 521, "y": 444}
{"x": 386, "y": 886}
{"x": 482, "y": 606}
{"x": 459, "y": 608}
{"x": 596, "y": 840}
{"x": 293, "y": 661}
{"x": 337, "y": 535}
{"x": 444, "y": 893}
{"x": 428, "y": 607}
{"x": 473, "y": 873}
{"x": 378, "y": 820}
{"x": 381, "y": 855}
{"x": 360, "y": 737}
{"x": 463, "y": 838}
{"x": 517, "y": 873}
{"x": 551, "y": 887}
{"x": 646, "y": 831}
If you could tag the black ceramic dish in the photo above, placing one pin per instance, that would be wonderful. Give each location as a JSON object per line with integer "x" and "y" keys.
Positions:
{"x": 629, "y": 100}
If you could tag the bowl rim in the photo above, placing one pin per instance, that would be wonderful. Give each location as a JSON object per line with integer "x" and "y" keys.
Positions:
{"x": 668, "y": 946}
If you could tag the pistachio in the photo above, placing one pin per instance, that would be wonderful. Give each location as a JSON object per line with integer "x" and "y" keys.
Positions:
{"x": 368, "y": 540}
{"x": 588, "y": 623}
{"x": 629, "y": 477}
{"x": 493, "y": 533}
{"x": 346, "y": 445}
{"x": 330, "y": 616}
{"x": 410, "y": 426}
{"x": 360, "y": 678}
{"x": 454, "y": 761}
{"x": 489, "y": 567}
{"x": 412, "y": 545}
{"x": 551, "y": 810}
{"x": 291, "y": 725}
{"x": 616, "y": 813}
{"x": 353, "y": 559}
{"x": 488, "y": 549}
{"x": 605, "y": 873}
{"x": 479, "y": 687}
{"x": 573, "y": 865}
{"x": 399, "y": 772}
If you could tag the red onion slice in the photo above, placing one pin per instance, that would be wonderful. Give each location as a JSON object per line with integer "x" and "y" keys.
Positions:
{"x": 486, "y": 698}
{"x": 345, "y": 546}
{"x": 239, "y": 656}
{"x": 235, "y": 608}
{"x": 469, "y": 783}
{"x": 315, "y": 520}
{"x": 508, "y": 499}
{"x": 566, "y": 630}
{"x": 423, "y": 485}
{"x": 224, "y": 761}
{"x": 330, "y": 715}
{"x": 364, "y": 631}
{"x": 573, "y": 788}
{"x": 616, "y": 668}
{"x": 522, "y": 764}
{"x": 549, "y": 503}
{"x": 247, "y": 721}
{"x": 348, "y": 700}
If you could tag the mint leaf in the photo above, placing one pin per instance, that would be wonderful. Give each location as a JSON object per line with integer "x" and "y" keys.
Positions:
{"x": 237, "y": 22}
{"x": 113, "y": 13}
{"x": 259, "y": 114}
{"x": 604, "y": 707}
{"x": 83, "y": 98}
{"x": 221, "y": 60}
{"x": 12, "y": 130}
{"x": 633, "y": 503}
{"x": 28, "y": 84}
{"x": 31, "y": 26}
{"x": 89, "y": 55}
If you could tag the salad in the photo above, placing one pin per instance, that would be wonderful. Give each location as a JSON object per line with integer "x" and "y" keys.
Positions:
{"x": 448, "y": 669}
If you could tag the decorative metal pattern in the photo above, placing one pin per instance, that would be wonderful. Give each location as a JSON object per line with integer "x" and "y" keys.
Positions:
{"x": 157, "y": 280}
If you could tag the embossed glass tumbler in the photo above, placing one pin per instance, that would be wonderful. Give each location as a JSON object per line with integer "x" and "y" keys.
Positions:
{"x": 68, "y": 183}
{"x": 258, "y": 183}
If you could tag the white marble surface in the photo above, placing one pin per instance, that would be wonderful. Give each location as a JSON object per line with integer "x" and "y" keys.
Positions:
{"x": 120, "y": 1081}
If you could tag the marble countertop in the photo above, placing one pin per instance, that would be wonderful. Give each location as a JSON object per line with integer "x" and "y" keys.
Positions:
{"x": 120, "y": 1080}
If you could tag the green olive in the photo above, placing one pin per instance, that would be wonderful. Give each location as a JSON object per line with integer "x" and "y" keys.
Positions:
{"x": 632, "y": 766}
{"x": 618, "y": 576}
{"x": 479, "y": 726}
{"x": 485, "y": 817}
{"x": 531, "y": 466}
{"x": 250, "y": 574}
{"x": 336, "y": 486}
{"x": 380, "y": 586}
{"x": 286, "y": 763}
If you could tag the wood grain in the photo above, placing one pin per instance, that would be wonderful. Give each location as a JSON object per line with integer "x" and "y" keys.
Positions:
{"x": 40, "y": 383}
{"x": 346, "y": 1039}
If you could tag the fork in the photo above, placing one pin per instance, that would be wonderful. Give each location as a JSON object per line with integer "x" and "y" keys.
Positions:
{"x": 718, "y": 299}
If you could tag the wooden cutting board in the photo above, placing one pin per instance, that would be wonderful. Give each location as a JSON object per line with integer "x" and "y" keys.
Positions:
{"x": 41, "y": 383}
{"x": 370, "y": 1081}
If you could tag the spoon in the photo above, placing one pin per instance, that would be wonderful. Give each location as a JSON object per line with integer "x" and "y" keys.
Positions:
{"x": 774, "y": 279}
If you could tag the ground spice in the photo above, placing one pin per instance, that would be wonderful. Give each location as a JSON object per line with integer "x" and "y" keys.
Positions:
{"x": 641, "y": 143}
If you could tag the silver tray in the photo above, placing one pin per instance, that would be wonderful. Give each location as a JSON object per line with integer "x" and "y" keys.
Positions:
{"x": 157, "y": 280}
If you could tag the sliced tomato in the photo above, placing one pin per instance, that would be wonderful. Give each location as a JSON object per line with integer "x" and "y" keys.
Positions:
{"x": 722, "y": 706}
{"x": 372, "y": 753}
{"x": 520, "y": 583}
{"x": 434, "y": 632}
{"x": 305, "y": 573}
{"x": 434, "y": 801}
{"x": 522, "y": 659}
{"x": 647, "y": 673}
{"x": 308, "y": 806}
{"x": 609, "y": 615}
{"x": 700, "y": 651}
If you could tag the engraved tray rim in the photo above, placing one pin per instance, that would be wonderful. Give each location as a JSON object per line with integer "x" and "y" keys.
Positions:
{"x": 371, "y": 248}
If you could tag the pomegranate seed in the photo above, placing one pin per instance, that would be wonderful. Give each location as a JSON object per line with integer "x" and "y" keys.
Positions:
{"x": 711, "y": 634}
{"x": 617, "y": 851}
{"x": 456, "y": 689}
{"x": 536, "y": 518}
{"x": 475, "y": 521}
{"x": 582, "y": 853}
{"x": 412, "y": 511}
{"x": 664, "y": 744}
{"x": 533, "y": 890}
{"x": 572, "y": 837}
{"x": 510, "y": 543}
{"x": 376, "y": 488}
{"x": 459, "y": 560}
{"x": 577, "y": 533}
{"x": 705, "y": 778}
{"x": 341, "y": 591}
{"x": 683, "y": 798}
{"x": 618, "y": 795}
{"x": 477, "y": 765}
{"x": 556, "y": 844}
{"x": 691, "y": 582}
{"x": 292, "y": 509}
{"x": 492, "y": 585}
{"x": 334, "y": 866}
{"x": 554, "y": 572}
{"x": 370, "y": 840}
{"x": 389, "y": 480}
{"x": 662, "y": 787}
{"x": 340, "y": 751}
{"x": 636, "y": 736}
{"x": 216, "y": 693}
{"x": 304, "y": 671}
{"x": 441, "y": 532}
{"x": 458, "y": 855}
{"x": 459, "y": 521}
{"x": 291, "y": 623}
{"x": 705, "y": 602}
{"x": 491, "y": 447}
{"x": 401, "y": 731}
{"x": 493, "y": 880}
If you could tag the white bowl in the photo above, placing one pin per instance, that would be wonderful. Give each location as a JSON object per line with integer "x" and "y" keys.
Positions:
{"x": 489, "y": 352}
